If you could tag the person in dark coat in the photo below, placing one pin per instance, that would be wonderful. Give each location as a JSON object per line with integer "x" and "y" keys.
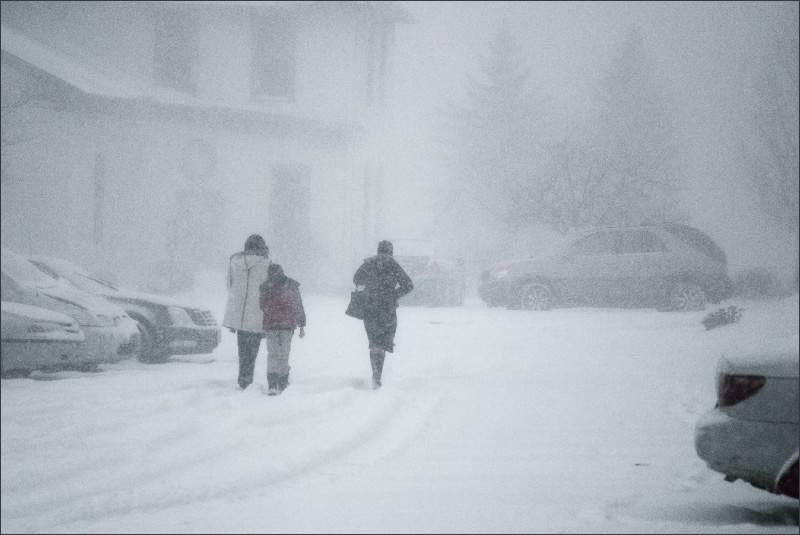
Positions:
{"x": 385, "y": 282}
{"x": 283, "y": 313}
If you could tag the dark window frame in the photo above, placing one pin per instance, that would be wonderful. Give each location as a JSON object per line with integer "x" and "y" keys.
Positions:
{"x": 578, "y": 247}
{"x": 274, "y": 49}
{"x": 654, "y": 240}
{"x": 175, "y": 50}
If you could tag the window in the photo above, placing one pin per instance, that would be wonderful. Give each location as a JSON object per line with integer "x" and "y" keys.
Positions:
{"x": 641, "y": 241}
{"x": 697, "y": 239}
{"x": 175, "y": 50}
{"x": 596, "y": 244}
{"x": 274, "y": 50}
{"x": 377, "y": 54}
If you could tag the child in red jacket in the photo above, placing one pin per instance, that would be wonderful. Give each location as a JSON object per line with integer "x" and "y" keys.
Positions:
{"x": 283, "y": 313}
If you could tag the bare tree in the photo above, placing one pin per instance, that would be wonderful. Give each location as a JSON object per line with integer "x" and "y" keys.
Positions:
{"x": 619, "y": 169}
{"x": 493, "y": 142}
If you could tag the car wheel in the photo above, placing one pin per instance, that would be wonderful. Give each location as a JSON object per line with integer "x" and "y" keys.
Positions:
{"x": 89, "y": 367}
{"x": 15, "y": 373}
{"x": 149, "y": 352}
{"x": 788, "y": 485}
{"x": 686, "y": 296}
{"x": 536, "y": 296}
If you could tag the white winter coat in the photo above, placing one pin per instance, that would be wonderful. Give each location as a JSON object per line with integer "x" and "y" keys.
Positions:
{"x": 246, "y": 272}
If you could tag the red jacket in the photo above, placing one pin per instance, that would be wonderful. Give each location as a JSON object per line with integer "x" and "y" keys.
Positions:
{"x": 282, "y": 305}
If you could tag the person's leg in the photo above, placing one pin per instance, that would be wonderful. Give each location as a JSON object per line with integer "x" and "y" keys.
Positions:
{"x": 281, "y": 362}
{"x": 376, "y": 359}
{"x": 273, "y": 348}
{"x": 248, "y": 343}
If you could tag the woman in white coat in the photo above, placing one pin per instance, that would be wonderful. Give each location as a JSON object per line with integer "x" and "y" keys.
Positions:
{"x": 247, "y": 270}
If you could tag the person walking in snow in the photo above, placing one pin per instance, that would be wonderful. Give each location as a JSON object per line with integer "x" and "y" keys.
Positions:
{"x": 247, "y": 270}
{"x": 283, "y": 312}
{"x": 385, "y": 282}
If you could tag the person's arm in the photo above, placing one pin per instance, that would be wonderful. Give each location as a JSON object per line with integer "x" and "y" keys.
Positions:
{"x": 229, "y": 282}
{"x": 360, "y": 277}
{"x": 263, "y": 296}
{"x": 404, "y": 282}
{"x": 299, "y": 311}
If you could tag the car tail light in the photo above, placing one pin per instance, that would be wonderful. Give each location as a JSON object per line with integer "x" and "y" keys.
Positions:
{"x": 735, "y": 388}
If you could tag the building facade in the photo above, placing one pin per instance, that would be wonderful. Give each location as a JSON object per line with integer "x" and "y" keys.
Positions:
{"x": 150, "y": 138}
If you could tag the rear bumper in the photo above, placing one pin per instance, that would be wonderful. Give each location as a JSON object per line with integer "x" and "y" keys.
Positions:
{"x": 495, "y": 292}
{"x": 29, "y": 355}
{"x": 743, "y": 449}
{"x": 128, "y": 338}
{"x": 718, "y": 288}
{"x": 190, "y": 340}
{"x": 101, "y": 344}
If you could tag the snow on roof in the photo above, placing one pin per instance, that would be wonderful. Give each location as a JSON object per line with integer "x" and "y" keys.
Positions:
{"x": 85, "y": 78}
{"x": 93, "y": 82}
{"x": 62, "y": 66}
{"x": 391, "y": 11}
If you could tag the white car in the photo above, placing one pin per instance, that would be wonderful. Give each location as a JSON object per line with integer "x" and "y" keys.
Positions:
{"x": 110, "y": 334}
{"x": 752, "y": 433}
{"x": 36, "y": 338}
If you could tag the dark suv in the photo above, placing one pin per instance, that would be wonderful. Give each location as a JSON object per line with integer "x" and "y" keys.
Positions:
{"x": 670, "y": 267}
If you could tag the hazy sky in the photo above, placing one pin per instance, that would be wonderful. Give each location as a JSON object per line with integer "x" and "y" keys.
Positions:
{"x": 706, "y": 53}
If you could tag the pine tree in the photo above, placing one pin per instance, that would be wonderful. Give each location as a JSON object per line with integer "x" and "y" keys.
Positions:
{"x": 638, "y": 138}
{"x": 494, "y": 138}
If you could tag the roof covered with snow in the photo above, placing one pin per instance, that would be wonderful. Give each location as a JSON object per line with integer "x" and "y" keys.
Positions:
{"x": 386, "y": 10}
{"x": 93, "y": 82}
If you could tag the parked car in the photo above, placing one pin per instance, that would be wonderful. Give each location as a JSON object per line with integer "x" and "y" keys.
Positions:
{"x": 36, "y": 338}
{"x": 168, "y": 326}
{"x": 752, "y": 433}
{"x": 437, "y": 281}
{"x": 110, "y": 335}
{"x": 670, "y": 267}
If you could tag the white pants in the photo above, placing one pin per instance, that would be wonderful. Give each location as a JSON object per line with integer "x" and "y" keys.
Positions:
{"x": 279, "y": 344}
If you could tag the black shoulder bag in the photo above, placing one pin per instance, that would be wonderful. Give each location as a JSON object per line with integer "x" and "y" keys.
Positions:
{"x": 358, "y": 304}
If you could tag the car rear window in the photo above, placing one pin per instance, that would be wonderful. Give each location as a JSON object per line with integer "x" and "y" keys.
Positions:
{"x": 599, "y": 243}
{"x": 697, "y": 239}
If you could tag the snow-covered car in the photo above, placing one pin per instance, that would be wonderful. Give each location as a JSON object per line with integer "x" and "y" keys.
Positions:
{"x": 437, "y": 281}
{"x": 110, "y": 335}
{"x": 752, "y": 433}
{"x": 168, "y": 326}
{"x": 669, "y": 267}
{"x": 36, "y": 338}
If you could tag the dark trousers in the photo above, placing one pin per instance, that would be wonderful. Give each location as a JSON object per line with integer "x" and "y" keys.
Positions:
{"x": 249, "y": 343}
{"x": 381, "y": 326}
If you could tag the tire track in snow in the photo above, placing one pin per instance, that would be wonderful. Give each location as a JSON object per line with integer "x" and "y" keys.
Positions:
{"x": 396, "y": 420}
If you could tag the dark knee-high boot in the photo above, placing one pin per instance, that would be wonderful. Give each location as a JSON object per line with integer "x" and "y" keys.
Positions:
{"x": 283, "y": 382}
{"x": 273, "y": 384}
{"x": 376, "y": 357}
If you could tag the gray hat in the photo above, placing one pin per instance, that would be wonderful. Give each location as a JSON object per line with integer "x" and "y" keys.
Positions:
{"x": 385, "y": 247}
{"x": 256, "y": 244}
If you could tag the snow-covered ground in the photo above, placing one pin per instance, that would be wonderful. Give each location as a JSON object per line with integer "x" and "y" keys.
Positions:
{"x": 577, "y": 420}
